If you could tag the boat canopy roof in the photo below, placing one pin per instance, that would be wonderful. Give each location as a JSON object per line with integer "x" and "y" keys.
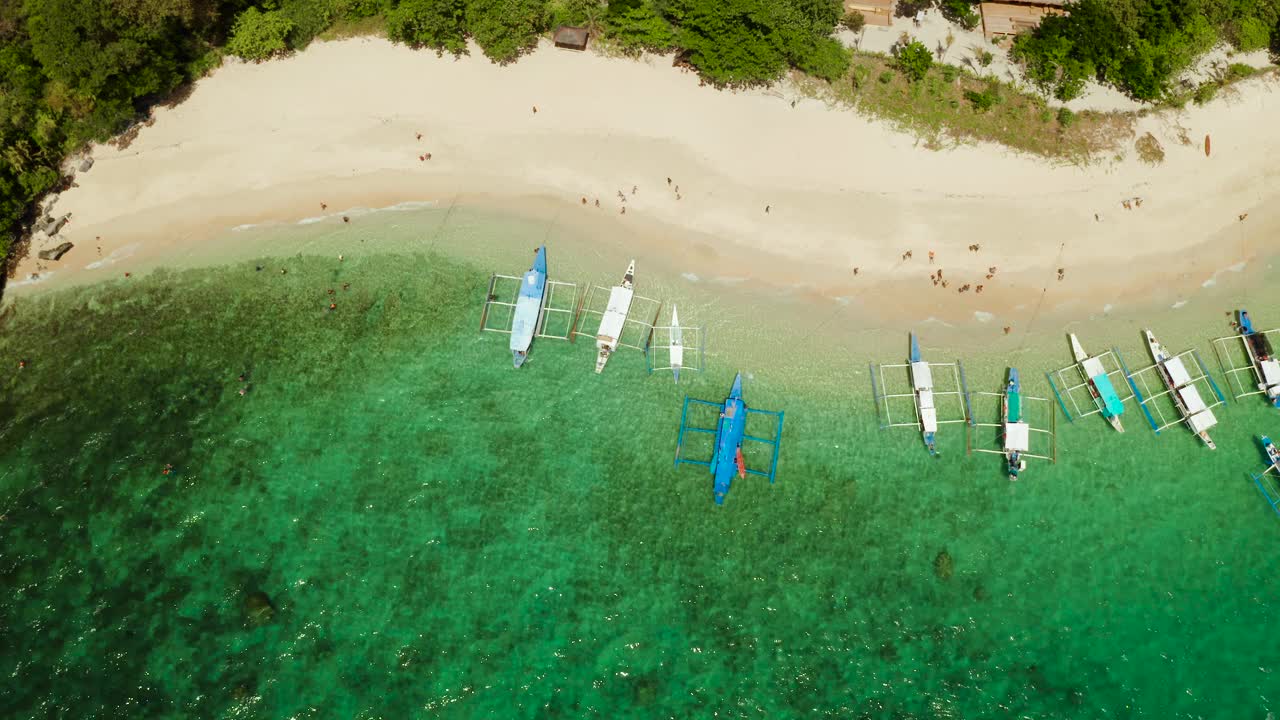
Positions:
{"x": 921, "y": 375}
{"x": 1202, "y": 421}
{"x": 1017, "y": 437}
{"x": 1177, "y": 371}
{"x": 1191, "y": 398}
{"x": 1270, "y": 371}
{"x": 929, "y": 419}
{"x": 1015, "y": 406}
{"x": 1093, "y": 367}
{"x": 1111, "y": 404}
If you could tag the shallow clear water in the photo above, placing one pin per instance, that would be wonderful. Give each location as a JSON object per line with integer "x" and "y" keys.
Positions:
{"x": 441, "y": 535}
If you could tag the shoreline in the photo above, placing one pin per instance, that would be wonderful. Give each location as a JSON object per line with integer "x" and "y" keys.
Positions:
{"x": 204, "y": 168}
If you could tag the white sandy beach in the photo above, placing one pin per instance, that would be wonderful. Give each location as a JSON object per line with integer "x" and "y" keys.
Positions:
{"x": 338, "y": 124}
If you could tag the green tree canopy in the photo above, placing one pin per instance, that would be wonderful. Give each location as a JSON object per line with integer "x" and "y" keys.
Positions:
{"x": 636, "y": 25}
{"x": 436, "y": 24}
{"x": 259, "y": 35}
{"x": 506, "y": 29}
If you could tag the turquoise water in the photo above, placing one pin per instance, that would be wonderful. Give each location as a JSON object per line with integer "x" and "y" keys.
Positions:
{"x": 439, "y": 535}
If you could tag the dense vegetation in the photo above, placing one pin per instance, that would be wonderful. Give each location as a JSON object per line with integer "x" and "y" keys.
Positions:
{"x": 1139, "y": 46}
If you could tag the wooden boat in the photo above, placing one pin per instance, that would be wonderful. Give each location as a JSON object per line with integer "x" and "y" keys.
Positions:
{"x": 1100, "y": 388}
{"x": 1195, "y": 413}
{"x": 528, "y": 310}
{"x": 614, "y": 318}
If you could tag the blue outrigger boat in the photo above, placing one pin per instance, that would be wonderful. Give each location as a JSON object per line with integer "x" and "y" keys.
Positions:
{"x": 730, "y": 433}
{"x": 528, "y": 311}
{"x": 1266, "y": 480}
{"x": 1266, "y": 367}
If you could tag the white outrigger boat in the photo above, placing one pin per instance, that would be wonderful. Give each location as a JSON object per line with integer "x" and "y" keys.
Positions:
{"x": 1097, "y": 380}
{"x": 1181, "y": 388}
{"x": 676, "y": 348}
{"x": 616, "y": 307}
{"x": 615, "y": 317}
{"x": 924, "y": 395}
{"x": 922, "y": 386}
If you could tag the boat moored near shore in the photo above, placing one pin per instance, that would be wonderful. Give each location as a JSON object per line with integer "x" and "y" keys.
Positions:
{"x": 1181, "y": 387}
{"x": 728, "y": 438}
{"x": 1095, "y": 379}
{"x": 1249, "y": 361}
{"x": 1015, "y": 431}
{"x": 533, "y": 302}
{"x": 923, "y": 394}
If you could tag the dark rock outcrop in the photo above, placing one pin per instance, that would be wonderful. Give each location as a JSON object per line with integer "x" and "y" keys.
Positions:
{"x": 55, "y": 253}
{"x": 258, "y": 609}
{"x": 943, "y": 566}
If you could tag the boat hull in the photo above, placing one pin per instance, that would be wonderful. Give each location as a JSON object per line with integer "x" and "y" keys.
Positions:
{"x": 730, "y": 432}
{"x": 1172, "y": 372}
{"x": 528, "y": 310}
{"x": 614, "y": 318}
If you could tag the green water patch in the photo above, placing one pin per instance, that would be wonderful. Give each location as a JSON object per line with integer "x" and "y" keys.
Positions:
{"x": 392, "y": 521}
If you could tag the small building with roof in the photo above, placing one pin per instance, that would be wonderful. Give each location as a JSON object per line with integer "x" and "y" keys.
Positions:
{"x": 570, "y": 37}
{"x": 1009, "y": 18}
{"x": 876, "y": 12}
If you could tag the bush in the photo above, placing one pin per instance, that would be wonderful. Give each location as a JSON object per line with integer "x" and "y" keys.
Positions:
{"x": 436, "y": 24}
{"x": 961, "y": 12}
{"x": 505, "y": 29}
{"x": 983, "y": 101}
{"x": 985, "y": 58}
{"x": 1066, "y": 117}
{"x": 853, "y": 21}
{"x": 914, "y": 60}
{"x": 258, "y": 35}
{"x": 828, "y": 60}
{"x": 950, "y": 73}
{"x": 1238, "y": 71}
{"x": 358, "y": 9}
{"x": 1250, "y": 34}
{"x": 309, "y": 18}
{"x": 1205, "y": 93}
{"x": 637, "y": 27}
{"x": 580, "y": 13}
{"x": 886, "y": 77}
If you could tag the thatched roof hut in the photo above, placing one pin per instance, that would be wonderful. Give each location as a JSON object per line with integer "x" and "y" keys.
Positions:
{"x": 571, "y": 38}
{"x": 1011, "y": 17}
